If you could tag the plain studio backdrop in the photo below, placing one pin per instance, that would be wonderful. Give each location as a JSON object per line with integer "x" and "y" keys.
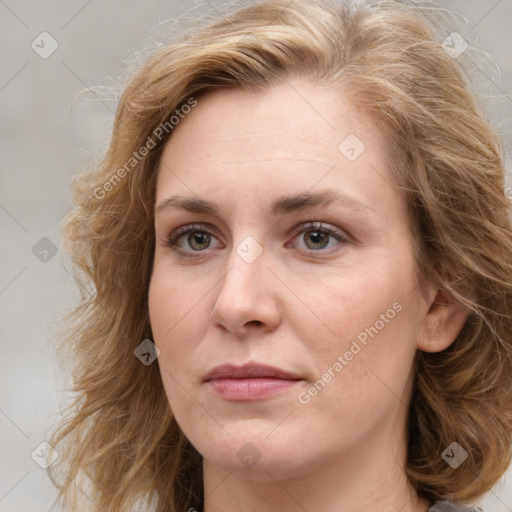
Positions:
{"x": 50, "y": 52}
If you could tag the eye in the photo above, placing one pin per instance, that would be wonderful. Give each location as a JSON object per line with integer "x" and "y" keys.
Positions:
{"x": 317, "y": 236}
{"x": 194, "y": 237}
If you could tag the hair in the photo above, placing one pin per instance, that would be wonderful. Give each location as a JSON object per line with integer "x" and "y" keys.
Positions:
{"x": 119, "y": 436}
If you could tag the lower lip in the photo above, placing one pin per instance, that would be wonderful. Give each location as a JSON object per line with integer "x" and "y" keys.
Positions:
{"x": 250, "y": 389}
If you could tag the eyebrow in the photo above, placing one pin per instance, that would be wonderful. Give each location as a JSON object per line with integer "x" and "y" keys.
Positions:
{"x": 280, "y": 206}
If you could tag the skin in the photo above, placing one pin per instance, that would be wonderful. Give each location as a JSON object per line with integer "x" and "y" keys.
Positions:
{"x": 297, "y": 306}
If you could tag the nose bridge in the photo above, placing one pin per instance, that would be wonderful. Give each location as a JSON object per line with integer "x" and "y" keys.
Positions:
{"x": 246, "y": 293}
{"x": 246, "y": 268}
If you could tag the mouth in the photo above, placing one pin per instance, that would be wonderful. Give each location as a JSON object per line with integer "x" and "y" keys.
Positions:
{"x": 252, "y": 381}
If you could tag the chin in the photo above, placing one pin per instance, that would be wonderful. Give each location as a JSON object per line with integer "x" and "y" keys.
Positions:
{"x": 254, "y": 454}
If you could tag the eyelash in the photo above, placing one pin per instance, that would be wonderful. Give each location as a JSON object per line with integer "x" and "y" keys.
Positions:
{"x": 308, "y": 226}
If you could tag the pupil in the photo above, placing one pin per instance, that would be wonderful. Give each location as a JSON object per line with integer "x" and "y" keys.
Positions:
{"x": 316, "y": 237}
{"x": 198, "y": 238}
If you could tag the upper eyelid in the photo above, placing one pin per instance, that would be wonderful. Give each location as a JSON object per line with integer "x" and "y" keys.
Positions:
{"x": 315, "y": 224}
{"x": 318, "y": 224}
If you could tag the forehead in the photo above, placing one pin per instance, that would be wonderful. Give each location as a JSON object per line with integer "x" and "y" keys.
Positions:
{"x": 293, "y": 137}
{"x": 293, "y": 112}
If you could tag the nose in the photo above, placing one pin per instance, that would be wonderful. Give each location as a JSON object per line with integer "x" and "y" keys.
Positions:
{"x": 248, "y": 297}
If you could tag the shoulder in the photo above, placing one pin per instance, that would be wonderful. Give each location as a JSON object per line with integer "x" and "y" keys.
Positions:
{"x": 448, "y": 506}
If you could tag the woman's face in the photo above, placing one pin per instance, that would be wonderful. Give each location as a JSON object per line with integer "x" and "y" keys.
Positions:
{"x": 293, "y": 234}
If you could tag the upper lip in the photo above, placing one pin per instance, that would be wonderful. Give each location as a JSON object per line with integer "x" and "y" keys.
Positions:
{"x": 249, "y": 371}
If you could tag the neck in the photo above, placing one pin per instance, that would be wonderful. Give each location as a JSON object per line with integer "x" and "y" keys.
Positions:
{"x": 370, "y": 477}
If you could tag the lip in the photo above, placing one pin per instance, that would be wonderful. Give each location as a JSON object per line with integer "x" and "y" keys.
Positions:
{"x": 252, "y": 381}
{"x": 249, "y": 371}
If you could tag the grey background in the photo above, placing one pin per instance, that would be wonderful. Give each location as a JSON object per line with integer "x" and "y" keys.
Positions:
{"x": 47, "y": 133}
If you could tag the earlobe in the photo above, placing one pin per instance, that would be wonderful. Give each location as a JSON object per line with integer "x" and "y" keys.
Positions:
{"x": 442, "y": 323}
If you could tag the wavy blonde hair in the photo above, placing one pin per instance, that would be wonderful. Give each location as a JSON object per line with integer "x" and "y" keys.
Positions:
{"x": 119, "y": 443}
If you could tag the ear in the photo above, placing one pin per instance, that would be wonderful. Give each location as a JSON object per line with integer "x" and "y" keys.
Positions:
{"x": 442, "y": 323}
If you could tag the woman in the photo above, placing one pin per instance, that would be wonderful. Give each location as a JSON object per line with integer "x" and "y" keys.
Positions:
{"x": 300, "y": 246}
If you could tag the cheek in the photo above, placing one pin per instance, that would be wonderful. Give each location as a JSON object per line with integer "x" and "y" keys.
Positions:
{"x": 177, "y": 333}
{"x": 354, "y": 299}
{"x": 365, "y": 332}
{"x": 177, "y": 308}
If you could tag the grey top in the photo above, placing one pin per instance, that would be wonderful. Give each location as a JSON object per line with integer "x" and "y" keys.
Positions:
{"x": 448, "y": 506}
